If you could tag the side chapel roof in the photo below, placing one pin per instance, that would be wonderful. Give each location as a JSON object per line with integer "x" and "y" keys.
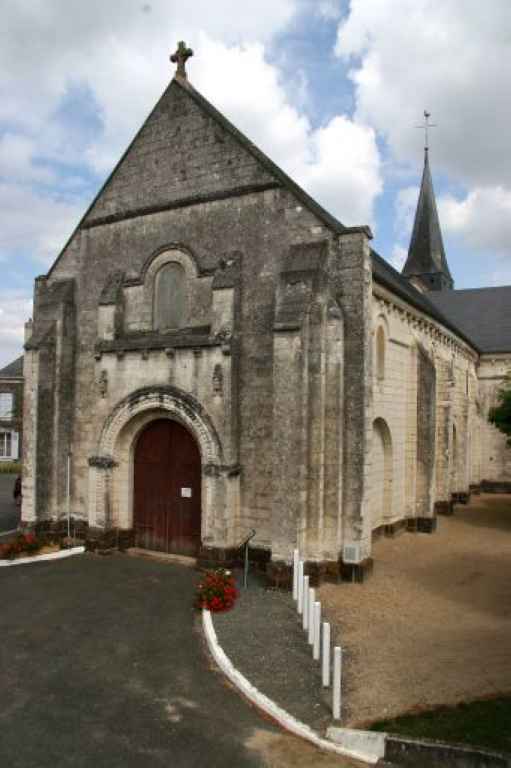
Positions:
{"x": 483, "y": 314}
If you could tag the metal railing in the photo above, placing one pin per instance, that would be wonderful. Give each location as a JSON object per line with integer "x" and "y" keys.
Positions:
{"x": 244, "y": 545}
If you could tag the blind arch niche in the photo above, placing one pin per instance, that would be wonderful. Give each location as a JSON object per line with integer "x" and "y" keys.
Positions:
{"x": 169, "y": 297}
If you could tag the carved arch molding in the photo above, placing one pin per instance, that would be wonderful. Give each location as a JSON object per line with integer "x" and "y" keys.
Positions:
{"x": 110, "y": 469}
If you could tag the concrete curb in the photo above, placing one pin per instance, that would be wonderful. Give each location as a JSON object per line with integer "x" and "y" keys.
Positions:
{"x": 400, "y": 750}
{"x": 368, "y": 742}
{"x": 283, "y": 718}
{"x": 41, "y": 558}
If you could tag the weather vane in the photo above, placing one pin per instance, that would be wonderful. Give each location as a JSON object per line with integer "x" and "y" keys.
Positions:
{"x": 427, "y": 125}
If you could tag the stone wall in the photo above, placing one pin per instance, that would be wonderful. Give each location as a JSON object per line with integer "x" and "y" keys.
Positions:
{"x": 428, "y": 399}
{"x": 493, "y": 461}
{"x": 189, "y": 192}
{"x": 271, "y": 368}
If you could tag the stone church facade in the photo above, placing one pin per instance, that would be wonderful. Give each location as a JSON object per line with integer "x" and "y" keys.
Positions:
{"x": 213, "y": 353}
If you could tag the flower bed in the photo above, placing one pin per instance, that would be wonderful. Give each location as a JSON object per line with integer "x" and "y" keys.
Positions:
{"x": 25, "y": 544}
{"x": 217, "y": 591}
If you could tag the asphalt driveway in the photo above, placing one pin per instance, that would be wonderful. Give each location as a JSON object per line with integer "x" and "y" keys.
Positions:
{"x": 103, "y": 665}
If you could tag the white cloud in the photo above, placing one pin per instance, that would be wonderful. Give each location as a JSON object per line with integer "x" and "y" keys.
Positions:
{"x": 15, "y": 309}
{"x": 453, "y": 59}
{"x": 338, "y": 163}
{"x": 121, "y": 63}
{"x": 34, "y": 223}
{"x": 398, "y": 257}
{"x": 16, "y": 160}
{"x": 345, "y": 174}
{"x": 482, "y": 219}
{"x": 329, "y": 9}
{"x": 447, "y": 57}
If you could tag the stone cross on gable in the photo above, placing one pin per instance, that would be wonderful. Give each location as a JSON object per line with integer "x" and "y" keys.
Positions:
{"x": 180, "y": 57}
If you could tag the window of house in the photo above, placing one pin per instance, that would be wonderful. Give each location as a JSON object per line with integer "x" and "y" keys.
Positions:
{"x": 6, "y": 401}
{"x": 380, "y": 353}
{"x": 169, "y": 297}
{"x": 5, "y": 445}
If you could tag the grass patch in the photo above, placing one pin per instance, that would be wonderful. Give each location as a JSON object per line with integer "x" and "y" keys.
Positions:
{"x": 480, "y": 723}
{"x": 10, "y": 468}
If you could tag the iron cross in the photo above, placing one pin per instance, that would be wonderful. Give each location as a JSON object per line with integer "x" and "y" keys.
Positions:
{"x": 427, "y": 125}
{"x": 180, "y": 58}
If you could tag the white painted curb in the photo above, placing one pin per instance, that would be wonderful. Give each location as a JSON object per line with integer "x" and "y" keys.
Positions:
{"x": 40, "y": 558}
{"x": 282, "y": 717}
{"x": 368, "y": 742}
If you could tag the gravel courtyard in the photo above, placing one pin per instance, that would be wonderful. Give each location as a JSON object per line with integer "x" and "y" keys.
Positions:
{"x": 432, "y": 625}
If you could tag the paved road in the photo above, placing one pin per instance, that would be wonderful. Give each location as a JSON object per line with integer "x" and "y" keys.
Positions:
{"x": 9, "y": 513}
{"x": 104, "y": 665}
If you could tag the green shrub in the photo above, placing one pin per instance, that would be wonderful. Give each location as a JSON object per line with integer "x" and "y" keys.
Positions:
{"x": 10, "y": 467}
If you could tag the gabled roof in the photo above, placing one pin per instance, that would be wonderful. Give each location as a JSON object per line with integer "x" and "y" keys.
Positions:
{"x": 14, "y": 370}
{"x": 426, "y": 254}
{"x": 280, "y": 177}
{"x": 382, "y": 271}
{"x": 483, "y": 314}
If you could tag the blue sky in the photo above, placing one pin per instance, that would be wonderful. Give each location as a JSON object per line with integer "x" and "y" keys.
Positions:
{"x": 332, "y": 90}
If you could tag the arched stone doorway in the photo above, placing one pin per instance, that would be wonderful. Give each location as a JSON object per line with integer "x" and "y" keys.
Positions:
{"x": 111, "y": 469}
{"x": 167, "y": 489}
{"x": 381, "y": 474}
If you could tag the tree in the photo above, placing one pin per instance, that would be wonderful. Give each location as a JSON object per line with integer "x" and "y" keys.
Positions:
{"x": 500, "y": 415}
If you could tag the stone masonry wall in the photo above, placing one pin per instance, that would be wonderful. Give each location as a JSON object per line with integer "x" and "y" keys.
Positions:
{"x": 139, "y": 216}
{"x": 425, "y": 368}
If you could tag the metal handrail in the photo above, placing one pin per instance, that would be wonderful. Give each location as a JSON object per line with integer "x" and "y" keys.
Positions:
{"x": 244, "y": 544}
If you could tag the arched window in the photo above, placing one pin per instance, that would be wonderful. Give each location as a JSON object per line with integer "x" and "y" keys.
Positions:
{"x": 380, "y": 353}
{"x": 169, "y": 297}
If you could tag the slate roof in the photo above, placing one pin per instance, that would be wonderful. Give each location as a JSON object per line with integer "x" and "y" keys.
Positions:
{"x": 385, "y": 274}
{"x": 483, "y": 314}
{"x": 426, "y": 254}
{"x": 14, "y": 370}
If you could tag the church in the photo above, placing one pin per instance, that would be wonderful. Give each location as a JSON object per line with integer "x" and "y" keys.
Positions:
{"x": 212, "y": 353}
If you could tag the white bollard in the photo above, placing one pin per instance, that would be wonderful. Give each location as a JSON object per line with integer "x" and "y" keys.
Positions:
{"x": 305, "y": 616}
{"x": 317, "y": 630}
{"x": 336, "y": 692}
{"x": 326, "y": 655}
{"x": 295, "y": 575}
{"x": 300, "y": 587}
{"x": 310, "y": 604}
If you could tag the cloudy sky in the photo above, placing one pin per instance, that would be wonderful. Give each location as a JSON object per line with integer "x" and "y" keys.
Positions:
{"x": 332, "y": 90}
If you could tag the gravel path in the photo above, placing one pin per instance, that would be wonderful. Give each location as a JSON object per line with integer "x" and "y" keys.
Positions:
{"x": 265, "y": 641}
{"x": 432, "y": 625}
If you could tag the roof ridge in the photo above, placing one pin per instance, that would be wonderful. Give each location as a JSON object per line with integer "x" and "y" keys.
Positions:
{"x": 263, "y": 158}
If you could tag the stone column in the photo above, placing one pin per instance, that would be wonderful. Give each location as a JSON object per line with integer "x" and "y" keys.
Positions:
{"x": 351, "y": 265}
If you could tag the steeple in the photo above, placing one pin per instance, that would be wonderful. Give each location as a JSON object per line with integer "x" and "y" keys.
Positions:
{"x": 426, "y": 265}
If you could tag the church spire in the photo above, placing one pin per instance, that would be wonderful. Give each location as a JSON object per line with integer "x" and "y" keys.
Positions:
{"x": 426, "y": 265}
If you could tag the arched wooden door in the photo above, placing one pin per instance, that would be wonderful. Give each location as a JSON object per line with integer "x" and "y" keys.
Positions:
{"x": 167, "y": 493}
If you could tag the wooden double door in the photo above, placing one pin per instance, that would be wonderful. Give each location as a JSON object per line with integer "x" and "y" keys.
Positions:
{"x": 167, "y": 492}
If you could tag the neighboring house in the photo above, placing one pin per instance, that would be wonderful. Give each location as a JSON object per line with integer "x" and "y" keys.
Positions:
{"x": 213, "y": 352}
{"x": 11, "y": 410}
